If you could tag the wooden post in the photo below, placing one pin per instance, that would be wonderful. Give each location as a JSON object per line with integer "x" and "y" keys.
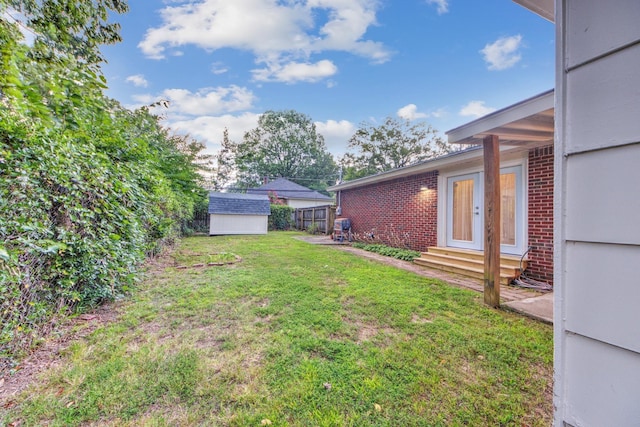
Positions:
{"x": 491, "y": 145}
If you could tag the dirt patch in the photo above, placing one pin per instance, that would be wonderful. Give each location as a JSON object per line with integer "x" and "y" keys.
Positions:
{"x": 14, "y": 380}
{"x": 420, "y": 320}
{"x": 366, "y": 332}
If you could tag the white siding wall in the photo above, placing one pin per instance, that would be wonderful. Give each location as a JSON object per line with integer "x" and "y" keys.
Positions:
{"x": 597, "y": 297}
{"x": 308, "y": 203}
{"x": 238, "y": 224}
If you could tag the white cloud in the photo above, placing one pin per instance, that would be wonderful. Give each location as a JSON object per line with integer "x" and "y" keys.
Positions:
{"x": 336, "y": 134}
{"x": 442, "y": 5}
{"x": 137, "y": 80}
{"x": 503, "y": 53}
{"x": 218, "y": 68}
{"x": 209, "y": 129}
{"x": 277, "y": 33}
{"x": 410, "y": 112}
{"x": 476, "y": 109}
{"x": 439, "y": 113}
{"x": 296, "y": 71}
{"x": 208, "y": 101}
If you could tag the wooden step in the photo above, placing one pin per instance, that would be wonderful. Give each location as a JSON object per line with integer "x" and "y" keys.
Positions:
{"x": 465, "y": 271}
{"x": 473, "y": 264}
{"x": 469, "y": 263}
{"x": 505, "y": 260}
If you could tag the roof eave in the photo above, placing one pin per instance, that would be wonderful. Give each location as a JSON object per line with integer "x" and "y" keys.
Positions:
{"x": 422, "y": 167}
{"x": 529, "y": 121}
{"x": 544, "y": 8}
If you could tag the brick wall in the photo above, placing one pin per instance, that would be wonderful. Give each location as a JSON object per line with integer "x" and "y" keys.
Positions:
{"x": 541, "y": 214}
{"x": 397, "y": 213}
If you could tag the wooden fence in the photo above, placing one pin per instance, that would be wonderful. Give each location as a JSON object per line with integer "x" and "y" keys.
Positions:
{"x": 198, "y": 224}
{"x": 318, "y": 219}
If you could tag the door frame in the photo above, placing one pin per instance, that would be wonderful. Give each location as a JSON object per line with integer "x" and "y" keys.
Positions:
{"x": 522, "y": 207}
{"x": 476, "y": 214}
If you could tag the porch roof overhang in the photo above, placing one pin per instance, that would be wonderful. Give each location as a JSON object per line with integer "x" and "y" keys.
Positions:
{"x": 544, "y": 8}
{"x": 529, "y": 122}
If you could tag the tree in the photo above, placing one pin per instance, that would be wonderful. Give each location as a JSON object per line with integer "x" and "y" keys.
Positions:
{"x": 393, "y": 144}
{"x": 87, "y": 187}
{"x": 224, "y": 169}
{"x": 285, "y": 144}
{"x": 70, "y": 27}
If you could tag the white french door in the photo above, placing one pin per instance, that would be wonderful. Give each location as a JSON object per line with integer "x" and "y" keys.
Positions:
{"x": 465, "y": 211}
{"x": 464, "y": 222}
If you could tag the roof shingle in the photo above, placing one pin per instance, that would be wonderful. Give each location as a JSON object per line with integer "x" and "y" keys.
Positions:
{"x": 237, "y": 203}
{"x": 288, "y": 190}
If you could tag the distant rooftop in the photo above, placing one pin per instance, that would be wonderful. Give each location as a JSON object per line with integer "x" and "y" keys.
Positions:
{"x": 286, "y": 189}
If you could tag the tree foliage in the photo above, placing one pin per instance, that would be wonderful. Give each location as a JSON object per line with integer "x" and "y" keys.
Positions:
{"x": 75, "y": 29}
{"x": 224, "y": 170}
{"x": 394, "y": 144}
{"x": 281, "y": 217}
{"x": 87, "y": 187}
{"x": 284, "y": 144}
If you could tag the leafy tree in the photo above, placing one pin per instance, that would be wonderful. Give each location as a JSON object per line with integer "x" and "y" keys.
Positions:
{"x": 70, "y": 27}
{"x": 224, "y": 170}
{"x": 393, "y": 144}
{"x": 285, "y": 144}
{"x": 88, "y": 188}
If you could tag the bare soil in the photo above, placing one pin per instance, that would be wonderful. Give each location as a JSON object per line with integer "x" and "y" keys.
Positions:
{"x": 15, "y": 379}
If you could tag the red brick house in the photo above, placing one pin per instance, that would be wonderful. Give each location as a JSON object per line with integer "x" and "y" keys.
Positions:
{"x": 436, "y": 206}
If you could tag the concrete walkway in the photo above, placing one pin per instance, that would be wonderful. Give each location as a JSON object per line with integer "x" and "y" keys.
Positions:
{"x": 534, "y": 304}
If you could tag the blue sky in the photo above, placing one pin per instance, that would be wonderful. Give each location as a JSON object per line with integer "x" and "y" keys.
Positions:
{"x": 221, "y": 63}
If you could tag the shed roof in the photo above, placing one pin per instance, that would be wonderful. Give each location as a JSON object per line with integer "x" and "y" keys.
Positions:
{"x": 238, "y": 203}
{"x": 286, "y": 189}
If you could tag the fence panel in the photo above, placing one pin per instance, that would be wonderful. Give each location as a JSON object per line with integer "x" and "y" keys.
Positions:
{"x": 198, "y": 224}
{"x": 319, "y": 218}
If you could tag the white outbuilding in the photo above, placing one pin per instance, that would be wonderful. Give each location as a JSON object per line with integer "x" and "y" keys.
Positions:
{"x": 235, "y": 213}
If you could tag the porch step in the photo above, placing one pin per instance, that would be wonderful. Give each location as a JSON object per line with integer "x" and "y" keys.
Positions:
{"x": 469, "y": 263}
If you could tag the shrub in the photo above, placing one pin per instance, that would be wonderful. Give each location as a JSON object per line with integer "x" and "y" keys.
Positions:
{"x": 281, "y": 217}
{"x": 314, "y": 228}
{"x": 403, "y": 254}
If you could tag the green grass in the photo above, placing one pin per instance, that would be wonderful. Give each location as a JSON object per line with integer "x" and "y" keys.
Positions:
{"x": 189, "y": 258}
{"x": 299, "y": 335}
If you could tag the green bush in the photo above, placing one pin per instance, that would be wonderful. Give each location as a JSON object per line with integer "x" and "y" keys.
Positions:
{"x": 88, "y": 188}
{"x": 403, "y": 254}
{"x": 281, "y": 217}
{"x": 314, "y": 229}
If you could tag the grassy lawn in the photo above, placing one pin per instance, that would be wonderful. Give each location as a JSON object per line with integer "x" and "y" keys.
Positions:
{"x": 300, "y": 335}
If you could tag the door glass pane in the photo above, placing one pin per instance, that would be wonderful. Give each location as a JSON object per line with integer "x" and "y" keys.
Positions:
{"x": 463, "y": 210}
{"x": 508, "y": 209}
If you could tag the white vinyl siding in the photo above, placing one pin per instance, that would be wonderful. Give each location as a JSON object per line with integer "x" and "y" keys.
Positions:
{"x": 308, "y": 203}
{"x": 597, "y": 211}
{"x": 237, "y": 224}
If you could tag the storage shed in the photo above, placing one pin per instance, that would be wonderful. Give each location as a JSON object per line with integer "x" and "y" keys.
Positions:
{"x": 235, "y": 213}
